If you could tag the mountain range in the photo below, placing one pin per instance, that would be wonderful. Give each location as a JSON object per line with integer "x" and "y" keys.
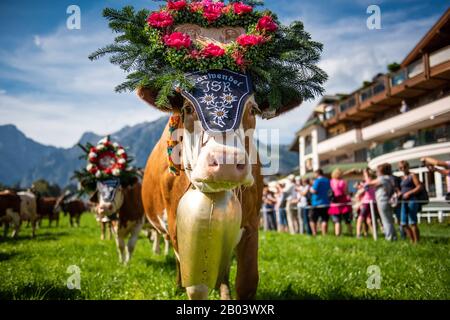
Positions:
{"x": 23, "y": 160}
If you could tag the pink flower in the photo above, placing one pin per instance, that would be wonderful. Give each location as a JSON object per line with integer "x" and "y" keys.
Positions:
{"x": 211, "y": 50}
{"x": 248, "y": 40}
{"x": 212, "y": 10}
{"x": 177, "y": 40}
{"x": 240, "y": 8}
{"x": 160, "y": 19}
{"x": 176, "y": 5}
{"x": 266, "y": 23}
{"x": 238, "y": 58}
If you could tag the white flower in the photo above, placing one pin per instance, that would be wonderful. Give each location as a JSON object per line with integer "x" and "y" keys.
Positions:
{"x": 208, "y": 99}
{"x": 101, "y": 141}
{"x": 116, "y": 172}
{"x": 98, "y": 174}
{"x": 92, "y": 155}
{"x": 228, "y": 98}
{"x": 120, "y": 151}
{"x": 219, "y": 114}
{"x": 100, "y": 146}
{"x": 115, "y": 145}
{"x": 89, "y": 167}
{"x": 121, "y": 161}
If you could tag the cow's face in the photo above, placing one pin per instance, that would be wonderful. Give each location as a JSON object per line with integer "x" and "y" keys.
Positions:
{"x": 217, "y": 162}
{"x": 110, "y": 197}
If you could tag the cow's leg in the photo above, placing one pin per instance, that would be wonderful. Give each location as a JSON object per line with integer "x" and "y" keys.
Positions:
{"x": 33, "y": 227}
{"x": 78, "y": 220}
{"x": 132, "y": 241}
{"x": 102, "y": 230}
{"x": 15, "y": 218}
{"x": 156, "y": 237}
{"x": 224, "y": 288}
{"x": 71, "y": 220}
{"x": 247, "y": 265}
{"x": 109, "y": 227}
{"x": 198, "y": 292}
{"x": 166, "y": 244}
{"x": 120, "y": 241}
{"x": 5, "y": 229}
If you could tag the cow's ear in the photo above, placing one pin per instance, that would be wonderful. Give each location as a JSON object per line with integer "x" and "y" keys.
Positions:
{"x": 149, "y": 95}
{"x": 94, "y": 197}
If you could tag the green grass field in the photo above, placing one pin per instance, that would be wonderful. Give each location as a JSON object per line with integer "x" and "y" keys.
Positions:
{"x": 291, "y": 267}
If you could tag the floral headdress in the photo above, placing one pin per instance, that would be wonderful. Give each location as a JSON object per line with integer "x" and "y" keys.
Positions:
{"x": 281, "y": 60}
{"x": 105, "y": 161}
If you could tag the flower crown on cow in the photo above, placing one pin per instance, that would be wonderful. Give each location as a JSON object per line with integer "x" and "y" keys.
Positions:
{"x": 105, "y": 161}
{"x": 158, "y": 48}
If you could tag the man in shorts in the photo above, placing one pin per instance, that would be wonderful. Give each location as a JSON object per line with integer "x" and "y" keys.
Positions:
{"x": 320, "y": 202}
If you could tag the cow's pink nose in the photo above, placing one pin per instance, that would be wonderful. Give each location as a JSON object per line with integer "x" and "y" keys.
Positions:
{"x": 227, "y": 166}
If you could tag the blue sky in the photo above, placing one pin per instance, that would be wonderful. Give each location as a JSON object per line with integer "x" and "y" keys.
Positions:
{"x": 53, "y": 93}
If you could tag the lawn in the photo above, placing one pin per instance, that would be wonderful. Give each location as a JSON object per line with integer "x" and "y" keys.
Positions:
{"x": 291, "y": 267}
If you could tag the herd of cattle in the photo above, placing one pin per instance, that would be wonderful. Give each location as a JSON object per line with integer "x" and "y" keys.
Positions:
{"x": 25, "y": 206}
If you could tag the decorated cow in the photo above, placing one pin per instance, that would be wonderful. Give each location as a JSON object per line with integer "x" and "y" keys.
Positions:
{"x": 114, "y": 186}
{"x": 215, "y": 67}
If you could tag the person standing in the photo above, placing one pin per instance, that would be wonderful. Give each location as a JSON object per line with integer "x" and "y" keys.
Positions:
{"x": 304, "y": 202}
{"x": 269, "y": 201}
{"x": 320, "y": 202}
{"x": 368, "y": 203}
{"x": 409, "y": 187}
{"x": 282, "y": 225}
{"x": 385, "y": 188}
{"x": 340, "y": 208}
{"x": 291, "y": 193}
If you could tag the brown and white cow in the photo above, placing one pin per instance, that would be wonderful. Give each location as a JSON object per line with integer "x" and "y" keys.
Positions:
{"x": 28, "y": 209}
{"x": 212, "y": 166}
{"x": 123, "y": 205}
{"x": 10, "y": 211}
{"x": 46, "y": 208}
{"x": 73, "y": 207}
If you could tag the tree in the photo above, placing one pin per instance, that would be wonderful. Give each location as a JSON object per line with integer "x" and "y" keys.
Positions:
{"x": 393, "y": 67}
{"x": 44, "y": 188}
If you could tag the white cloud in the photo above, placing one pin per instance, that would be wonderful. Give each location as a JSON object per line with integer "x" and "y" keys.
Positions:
{"x": 70, "y": 94}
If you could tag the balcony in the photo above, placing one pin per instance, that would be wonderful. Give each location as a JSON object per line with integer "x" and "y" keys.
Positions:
{"x": 440, "y": 56}
{"x": 424, "y": 137}
{"x": 343, "y": 141}
{"x": 430, "y": 114}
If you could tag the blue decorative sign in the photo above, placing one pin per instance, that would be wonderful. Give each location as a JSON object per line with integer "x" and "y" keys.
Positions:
{"x": 219, "y": 97}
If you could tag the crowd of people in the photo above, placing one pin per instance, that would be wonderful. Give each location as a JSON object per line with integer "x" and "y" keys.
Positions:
{"x": 381, "y": 199}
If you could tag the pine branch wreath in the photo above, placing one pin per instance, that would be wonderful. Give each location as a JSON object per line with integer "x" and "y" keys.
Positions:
{"x": 281, "y": 60}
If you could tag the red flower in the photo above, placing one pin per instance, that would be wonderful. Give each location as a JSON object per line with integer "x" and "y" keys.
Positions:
{"x": 196, "y": 6}
{"x": 108, "y": 170}
{"x": 195, "y": 54}
{"x": 93, "y": 160}
{"x": 247, "y": 40}
{"x": 240, "y": 8}
{"x": 93, "y": 170}
{"x": 176, "y": 5}
{"x": 160, "y": 19}
{"x": 93, "y": 149}
{"x": 177, "y": 40}
{"x": 211, "y": 50}
{"x": 266, "y": 23}
{"x": 212, "y": 10}
{"x": 238, "y": 58}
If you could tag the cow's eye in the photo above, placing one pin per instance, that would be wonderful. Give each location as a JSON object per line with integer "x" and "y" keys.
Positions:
{"x": 188, "y": 109}
{"x": 254, "y": 110}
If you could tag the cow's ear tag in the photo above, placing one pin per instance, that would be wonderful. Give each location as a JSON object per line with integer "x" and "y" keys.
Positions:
{"x": 219, "y": 98}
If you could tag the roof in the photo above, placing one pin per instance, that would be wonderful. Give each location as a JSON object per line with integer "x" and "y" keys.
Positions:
{"x": 434, "y": 39}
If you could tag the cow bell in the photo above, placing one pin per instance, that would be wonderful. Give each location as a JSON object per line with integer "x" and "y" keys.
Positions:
{"x": 208, "y": 230}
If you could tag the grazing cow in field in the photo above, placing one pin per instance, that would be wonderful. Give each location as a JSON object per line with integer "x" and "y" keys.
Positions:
{"x": 10, "y": 211}
{"x": 123, "y": 205}
{"x": 73, "y": 207}
{"x": 210, "y": 165}
{"x": 46, "y": 207}
{"x": 28, "y": 209}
